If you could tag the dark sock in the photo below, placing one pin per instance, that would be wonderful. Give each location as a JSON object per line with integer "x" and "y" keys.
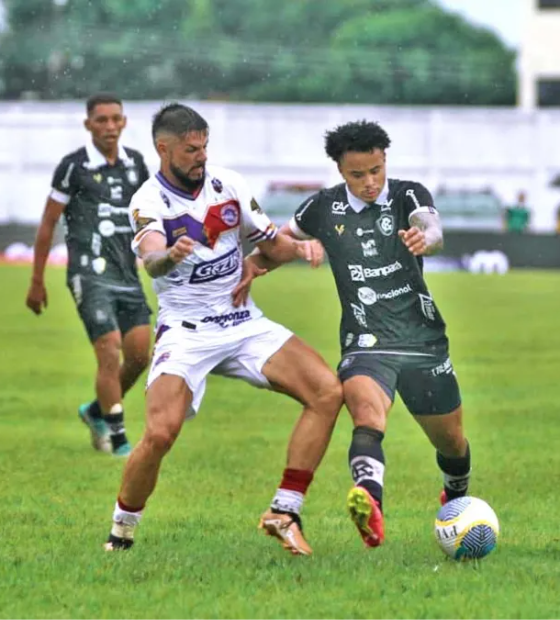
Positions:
{"x": 456, "y": 473}
{"x": 94, "y": 410}
{"x": 367, "y": 462}
{"x": 116, "y": 426}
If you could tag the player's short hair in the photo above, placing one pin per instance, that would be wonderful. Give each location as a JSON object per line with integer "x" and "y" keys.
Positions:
{"x": 361, "y": 136}
{"x": 99, "y": 98}
{"x": 177, "y": 119}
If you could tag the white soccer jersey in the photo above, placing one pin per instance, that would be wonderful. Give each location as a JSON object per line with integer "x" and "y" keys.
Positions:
{"x": 198, "y": 291}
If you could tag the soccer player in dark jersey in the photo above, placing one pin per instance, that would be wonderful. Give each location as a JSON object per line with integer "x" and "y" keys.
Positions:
{"x": 91, "y": 189}
{"x": 375, "y": 232}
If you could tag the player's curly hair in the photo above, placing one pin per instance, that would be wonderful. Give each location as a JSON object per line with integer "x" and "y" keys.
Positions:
{"x": 361, "y": 136}
{"x": 177, "y": 119}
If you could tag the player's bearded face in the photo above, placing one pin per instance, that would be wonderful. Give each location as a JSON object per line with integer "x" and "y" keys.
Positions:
{"x": 364, "y": 173}
{"x": 187, "y": 159}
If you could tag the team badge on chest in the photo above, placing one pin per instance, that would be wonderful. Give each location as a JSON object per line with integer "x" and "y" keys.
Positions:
{"x": 386, "y": 224}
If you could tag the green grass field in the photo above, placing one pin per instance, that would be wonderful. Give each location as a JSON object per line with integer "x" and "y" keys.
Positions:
{"x": 198, "y": 552}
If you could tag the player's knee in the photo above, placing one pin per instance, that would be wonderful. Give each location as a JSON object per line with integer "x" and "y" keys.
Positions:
{"x": 107, "y": 350}
{"x": 161, "y": 439}
{"x": 329, "y": 396}
{"x": 367, "y": 413}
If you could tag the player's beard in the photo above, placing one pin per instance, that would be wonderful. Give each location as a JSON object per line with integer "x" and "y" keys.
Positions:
{"x": 191, "y": 185}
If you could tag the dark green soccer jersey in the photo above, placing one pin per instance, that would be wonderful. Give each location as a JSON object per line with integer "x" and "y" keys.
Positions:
{"x": 385, "y": 301}
{"x": 98, "y": 232}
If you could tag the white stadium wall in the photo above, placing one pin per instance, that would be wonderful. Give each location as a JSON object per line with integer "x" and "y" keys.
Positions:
{"x": 508, "y": 150}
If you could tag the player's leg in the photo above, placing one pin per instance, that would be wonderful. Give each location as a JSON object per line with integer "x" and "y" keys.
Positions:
{"x": 167, "y": 400}
{"x": 133, "y": 316}
{"x": 369, "y": 386}
{"x": 431, "y": 393}
{"x": 300, "y": 372}
{"x": 96, "y": 309}
{"x": 136, "y": 355}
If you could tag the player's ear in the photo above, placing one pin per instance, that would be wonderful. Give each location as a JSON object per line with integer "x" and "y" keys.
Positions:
{"x": 87, "y": 124}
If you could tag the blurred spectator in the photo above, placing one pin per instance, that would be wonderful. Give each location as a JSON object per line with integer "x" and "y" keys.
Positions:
{"x": 517, "y": 216}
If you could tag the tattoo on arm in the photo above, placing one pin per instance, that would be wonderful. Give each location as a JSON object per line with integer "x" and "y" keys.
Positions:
{"x": 158, "y": 264}
{"x": 430, "y": 225}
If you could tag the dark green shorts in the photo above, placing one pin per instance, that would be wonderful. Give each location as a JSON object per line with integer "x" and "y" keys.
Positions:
{"x": 424, "y": 379}
{"x": 104, "y": 309}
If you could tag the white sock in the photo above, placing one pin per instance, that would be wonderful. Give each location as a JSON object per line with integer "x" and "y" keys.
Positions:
{"x": 287, "y": 501}
{"x": 124, "y": 522}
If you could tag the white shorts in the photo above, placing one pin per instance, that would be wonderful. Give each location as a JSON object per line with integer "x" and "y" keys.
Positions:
{"x": 239, "y": 352}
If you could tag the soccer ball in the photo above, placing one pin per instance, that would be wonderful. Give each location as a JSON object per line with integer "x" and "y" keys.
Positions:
{"x": 467, "y": 528}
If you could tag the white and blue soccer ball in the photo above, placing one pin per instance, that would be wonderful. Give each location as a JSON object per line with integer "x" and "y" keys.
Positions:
{"x": 467, "y": 528}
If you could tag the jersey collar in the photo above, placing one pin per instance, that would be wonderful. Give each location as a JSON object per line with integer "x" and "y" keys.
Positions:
{"x": 358, "y": 205}
{"x": 177, "y": 190}
{"x": 96, "y": 159}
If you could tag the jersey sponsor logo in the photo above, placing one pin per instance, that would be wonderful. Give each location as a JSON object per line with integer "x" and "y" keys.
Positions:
{"x": 369, "y": 248}
{"x": 106, "y": 209}
{"x": 347, "y": 361}
{"x": 339, "y": 208}
{"x": 99, "y": 265}
{"x": 387, "y": 206}
{"x": 229, "y": 215}
{"x": 132, "y": 176}
{"x": 365, "y": 231}
{"x": 217, "y": 185}
{"x": 229, "y": 320}
{"x": 349, "y": 339}
{"x": 359, "y": 314}
{"x": 141, "y": 222}
{"x": 386, "y": 224}
{"x": 106, "y": 228}
{"x": 116, "y": 192}
{"x": 358, "y": 273}
{"x": 218, "y": 268}
{"x": 443, "y": 369}
{"x": 428, "y": 307}
{"x": 369, "y": 297}
{"x": 365, "y": 341}
{"x": 339, "y": 229}
{"x": 165, "y": 199}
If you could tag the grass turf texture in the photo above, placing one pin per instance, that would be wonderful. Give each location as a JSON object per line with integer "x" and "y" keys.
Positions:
{"x": 198, "y": 552}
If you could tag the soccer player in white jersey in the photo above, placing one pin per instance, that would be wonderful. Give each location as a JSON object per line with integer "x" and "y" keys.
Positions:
{"x": 190, "y": 220}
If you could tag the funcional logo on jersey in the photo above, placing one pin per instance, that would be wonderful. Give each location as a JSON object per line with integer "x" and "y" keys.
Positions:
{"x": 359, "y": 273}
{"x": 368, "y": 296}
{"x": 215, "y": 269}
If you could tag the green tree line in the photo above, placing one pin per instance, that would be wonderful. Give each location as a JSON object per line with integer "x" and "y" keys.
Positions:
{"x": 352, "y": 51}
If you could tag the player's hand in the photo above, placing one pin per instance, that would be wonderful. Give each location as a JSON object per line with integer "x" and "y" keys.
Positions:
{"x": 37, "y": 297}
{"x": 311, "y": 251}
{"x": 250, "y": 271}
{"x": 181, "y": 249}
{"x": 414, "y": 239}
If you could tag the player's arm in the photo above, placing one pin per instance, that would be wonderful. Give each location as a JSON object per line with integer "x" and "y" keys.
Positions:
{"x": 158, "y": 259}
{"x": 37, "y": 294}
{"x": 425, "y": 235}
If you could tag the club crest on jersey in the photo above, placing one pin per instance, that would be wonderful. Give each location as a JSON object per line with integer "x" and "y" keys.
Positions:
{"x": 215, "y": 269}
{"x": 339, "y": 229}
{"x": 132, "y": 176}
{"x": 386, "y": 224}
{"x": 217, "y": 185}
{"x": 230, "y": 215}
{"x": 97, "y": 177}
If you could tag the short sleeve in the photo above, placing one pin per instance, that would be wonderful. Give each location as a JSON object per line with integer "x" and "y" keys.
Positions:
{"x": 255, "y": 224}
{"x": 143, "y": 172}
{"x": 145, "y": 214}
{"x": 418, "y": 200}
{"x": 304, "y": 223}
{"x": 64, "y": 182}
